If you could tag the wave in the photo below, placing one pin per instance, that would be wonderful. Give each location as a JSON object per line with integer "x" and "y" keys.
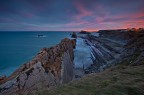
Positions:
{"x": 40, "y": 36}
{"x": 82, "y": 55}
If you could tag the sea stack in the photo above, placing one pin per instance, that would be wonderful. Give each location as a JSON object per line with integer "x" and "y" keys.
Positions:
{"x": 74, "y": 35}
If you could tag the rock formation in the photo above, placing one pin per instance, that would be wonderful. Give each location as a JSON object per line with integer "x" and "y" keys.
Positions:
{"x": 104, "y": 53}
{"x": 74, "y": 35}
{"x": 84, "y": 32}
{"x": 50, "y": 67}
{"x": 134, "y": 49}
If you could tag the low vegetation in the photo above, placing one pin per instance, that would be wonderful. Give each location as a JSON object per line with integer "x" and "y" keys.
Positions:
{"x": 118, "y": 80}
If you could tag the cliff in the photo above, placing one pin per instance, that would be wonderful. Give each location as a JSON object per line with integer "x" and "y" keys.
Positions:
{"x": 115, "y": 46}
{"x": 50, "y": 67}
{"x": 126, "y": 77}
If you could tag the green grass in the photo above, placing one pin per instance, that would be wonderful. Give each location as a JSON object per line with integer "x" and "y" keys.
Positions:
{"x": 118, "y": 80}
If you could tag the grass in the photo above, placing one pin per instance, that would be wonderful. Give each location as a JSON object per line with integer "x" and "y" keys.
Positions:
{"x": 118, "y": 80}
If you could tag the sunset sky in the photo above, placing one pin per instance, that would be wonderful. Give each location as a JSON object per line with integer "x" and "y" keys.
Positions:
{"x": 70, "y": 15}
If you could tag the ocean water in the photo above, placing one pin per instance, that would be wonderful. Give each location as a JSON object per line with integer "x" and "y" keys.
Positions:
{"x": 17, "y": 48}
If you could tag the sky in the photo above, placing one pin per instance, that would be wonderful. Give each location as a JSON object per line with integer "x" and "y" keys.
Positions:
{"x": 70, "y": 15}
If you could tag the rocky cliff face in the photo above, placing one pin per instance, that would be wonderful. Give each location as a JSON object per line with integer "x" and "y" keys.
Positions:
{"x": 51, "y": 67}
{"x": 134, "y": 49}
{"x": 133, "y": 52}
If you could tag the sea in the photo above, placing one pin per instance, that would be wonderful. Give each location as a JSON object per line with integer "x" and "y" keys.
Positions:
{"x": 17, "y": 48}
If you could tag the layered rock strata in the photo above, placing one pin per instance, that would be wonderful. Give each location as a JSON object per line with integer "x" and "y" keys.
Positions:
{"x": 134, "y": 49}
{"x": 50, "y": 67}
{"x": 104, "y": 53}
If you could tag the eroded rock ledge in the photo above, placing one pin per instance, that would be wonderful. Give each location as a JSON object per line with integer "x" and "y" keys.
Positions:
{"x": 50, "y": 67}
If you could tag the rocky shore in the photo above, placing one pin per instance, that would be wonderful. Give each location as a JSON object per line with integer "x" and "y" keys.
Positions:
{"x": 50, "y": 67}
{"x": 72, "y": 59}
{"x": 122, "y": 52}
{"x": 104, "y": 52}
{"x": 112, "y": 47}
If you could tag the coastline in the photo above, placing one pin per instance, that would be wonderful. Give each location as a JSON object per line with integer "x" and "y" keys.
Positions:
{"x": 50, "y": 67}
{"x": 70, "y": 60}
{"x": 124, "y": 76}
{"x": 18, "y": 48}
{"x": 102, "y": 53}
{"x": 84, "y": 57}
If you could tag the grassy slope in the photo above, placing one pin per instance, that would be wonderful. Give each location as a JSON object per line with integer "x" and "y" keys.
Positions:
{"x": 118, "y": 80}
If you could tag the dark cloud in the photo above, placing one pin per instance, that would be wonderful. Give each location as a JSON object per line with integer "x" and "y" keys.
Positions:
{"x": 70, "y": 14}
